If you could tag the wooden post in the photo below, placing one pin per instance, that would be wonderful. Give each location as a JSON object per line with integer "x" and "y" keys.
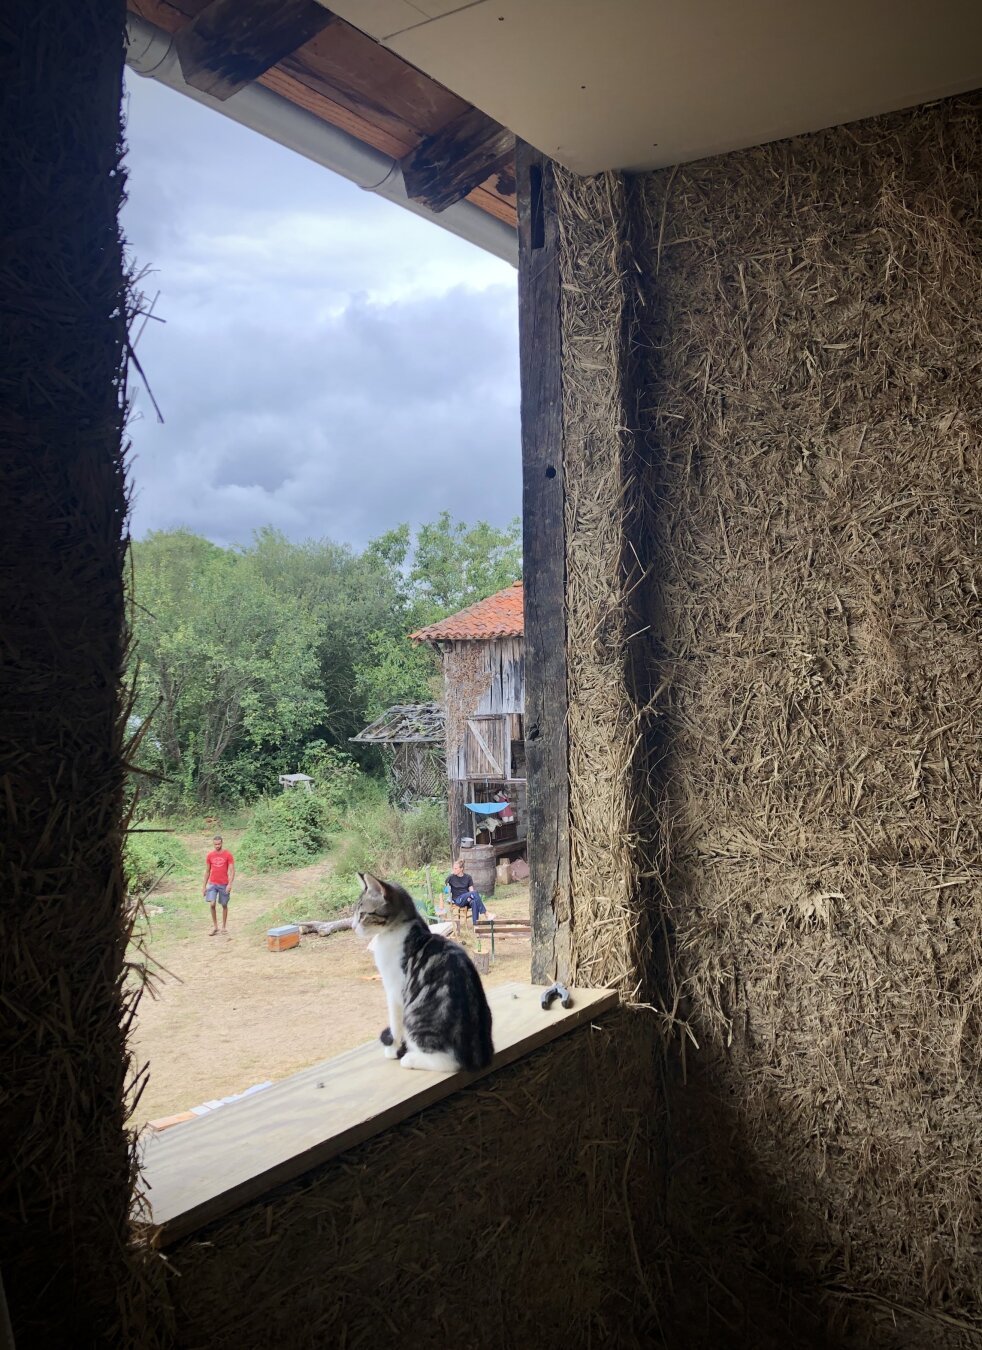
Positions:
{"x": 544, "y": 560}
{"x": 455, "y": 809}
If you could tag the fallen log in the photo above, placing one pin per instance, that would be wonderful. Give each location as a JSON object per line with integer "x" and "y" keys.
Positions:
{"x": 323, "y": 927}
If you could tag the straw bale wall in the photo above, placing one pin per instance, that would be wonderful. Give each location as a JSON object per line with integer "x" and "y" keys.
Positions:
{"x": 602, "y": 931}
{"x": 500, "y": 1218}
{"x": 804, "y": 325}
{"x": 66, "y": 1180}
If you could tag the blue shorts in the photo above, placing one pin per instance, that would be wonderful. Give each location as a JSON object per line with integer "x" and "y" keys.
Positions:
{"x": 217, "y": 893}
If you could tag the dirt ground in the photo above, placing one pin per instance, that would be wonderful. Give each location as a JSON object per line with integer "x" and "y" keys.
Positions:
{"x": 229, "y": 1013}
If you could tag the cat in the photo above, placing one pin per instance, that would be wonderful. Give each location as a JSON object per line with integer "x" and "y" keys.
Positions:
{"x": 439, "y": 1017}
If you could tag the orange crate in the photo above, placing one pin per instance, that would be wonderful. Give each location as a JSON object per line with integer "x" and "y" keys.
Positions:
{"x": 282, "y": 939}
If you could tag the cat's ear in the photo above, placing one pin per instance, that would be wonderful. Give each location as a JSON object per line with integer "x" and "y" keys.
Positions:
{"x": 371, "y": 885}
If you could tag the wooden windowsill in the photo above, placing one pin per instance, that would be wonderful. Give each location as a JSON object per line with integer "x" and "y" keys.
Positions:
{"x": 200, "y": 1171}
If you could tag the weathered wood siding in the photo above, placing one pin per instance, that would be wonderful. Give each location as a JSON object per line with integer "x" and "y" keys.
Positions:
{"x": 481, "y": 679}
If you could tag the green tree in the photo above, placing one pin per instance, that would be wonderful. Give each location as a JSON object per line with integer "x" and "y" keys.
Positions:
{"x": 248, "y": 659}
{"x": 454, "y": 565}
{"x": 226, "y": 665}
{"x": 358, "y": 605}
{"x": 391, "y": 670}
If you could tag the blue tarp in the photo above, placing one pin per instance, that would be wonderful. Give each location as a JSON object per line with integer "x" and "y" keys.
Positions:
{"x": 485, "y": 808}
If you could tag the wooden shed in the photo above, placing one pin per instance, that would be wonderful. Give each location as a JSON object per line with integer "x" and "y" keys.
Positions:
{"x": 750, "y": 269}
{"x": 482, "y": 649}
{"x": 412, "y": 737}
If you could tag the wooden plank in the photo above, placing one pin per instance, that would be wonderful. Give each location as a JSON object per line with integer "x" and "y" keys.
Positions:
{"x": 198, "y": 1172}
{"x": 546, "y": 698}
{"x": 232, "y": 42}
{"x": 392, "y": 137}
{"x": 489, "y": 755}
{"x": 457, "y": 814}
{"x": 446, "y": 166}
{"x": 375, "y": 83}
{"x": 496, "y": 206}
{"x": 340, "y": 80}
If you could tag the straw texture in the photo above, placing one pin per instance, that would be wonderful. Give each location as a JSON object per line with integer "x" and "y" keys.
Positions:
{"x": 507, "y": 1216}
{"x": 804, "y": 328}
{"x": 67, "y": 1175}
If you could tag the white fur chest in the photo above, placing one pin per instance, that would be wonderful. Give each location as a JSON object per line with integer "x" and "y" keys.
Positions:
{"x": 386, "y": 948}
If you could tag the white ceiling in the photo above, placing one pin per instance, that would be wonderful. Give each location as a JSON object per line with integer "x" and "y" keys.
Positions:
{"x": 636, "y": 84}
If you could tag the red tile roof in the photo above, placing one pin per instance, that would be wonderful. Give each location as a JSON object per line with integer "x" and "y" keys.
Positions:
{"x": 498, "y": 616}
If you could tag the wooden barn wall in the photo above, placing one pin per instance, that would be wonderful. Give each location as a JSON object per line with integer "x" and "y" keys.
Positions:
{"x": 66, "y": 1179}
{"x": 803, "y": 324}
{"x": 479, "y": 678}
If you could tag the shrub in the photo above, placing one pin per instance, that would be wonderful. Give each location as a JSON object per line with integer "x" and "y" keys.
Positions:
{"x": 337, "y": 780}
{"x": 150, "y": 856}
{"x": 285, "y": 831}
{"x": 369, "y": 841}
{"x": 382, "y": 839}
{"x": 425, "y": 836}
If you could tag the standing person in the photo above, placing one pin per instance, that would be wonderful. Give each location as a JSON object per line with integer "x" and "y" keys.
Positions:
{"x": 219, "y": 875}
{"x": 462, "y": 892}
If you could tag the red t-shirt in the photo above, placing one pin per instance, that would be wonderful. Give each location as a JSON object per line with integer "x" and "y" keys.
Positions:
{"x": 219, "y": 861}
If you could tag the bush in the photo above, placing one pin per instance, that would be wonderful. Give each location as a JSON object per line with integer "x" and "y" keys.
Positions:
{"x": 425, "y": 835}
{"x": 149, "y": 857}
{"x": 338, "y": 781}
{"x": 380, "y": 838}
{"x": 285, "y": 831}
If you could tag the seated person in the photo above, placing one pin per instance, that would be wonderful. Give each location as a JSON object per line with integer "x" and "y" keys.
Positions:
{"x": 462, "y": 892}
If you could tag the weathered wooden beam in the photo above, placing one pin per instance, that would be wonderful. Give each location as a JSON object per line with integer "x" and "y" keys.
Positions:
{"x": 445, "y": 167}
{"x": 456, "y": 811}
{"x": 232, "y": 42}
{"x": 546, "y": 698}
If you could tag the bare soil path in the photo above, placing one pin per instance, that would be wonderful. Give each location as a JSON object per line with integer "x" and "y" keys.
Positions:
{"x": 229, "y": 1013}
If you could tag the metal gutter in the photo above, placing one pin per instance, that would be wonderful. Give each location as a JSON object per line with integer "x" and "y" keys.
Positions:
{"x": 151, "y": 52}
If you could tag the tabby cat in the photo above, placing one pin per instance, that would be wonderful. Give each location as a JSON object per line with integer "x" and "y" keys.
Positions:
{"x": 438, "y": 1015}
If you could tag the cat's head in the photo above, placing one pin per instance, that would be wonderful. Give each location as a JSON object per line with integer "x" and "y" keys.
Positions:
{"x": 381, "y": 905}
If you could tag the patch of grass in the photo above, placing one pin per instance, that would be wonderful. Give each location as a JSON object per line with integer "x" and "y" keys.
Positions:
{"x": 336, "y": 895}
{"x": 151, "y": 853}
{"x": 379, "y": 838}
{"x": 331, "y": 898}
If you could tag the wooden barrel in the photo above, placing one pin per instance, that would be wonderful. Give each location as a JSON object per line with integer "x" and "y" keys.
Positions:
{"x": 480, "y": 862}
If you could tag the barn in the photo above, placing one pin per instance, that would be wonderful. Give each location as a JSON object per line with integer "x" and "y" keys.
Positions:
{"x": 750, "y": 263}
{"x": 483, "y": 659}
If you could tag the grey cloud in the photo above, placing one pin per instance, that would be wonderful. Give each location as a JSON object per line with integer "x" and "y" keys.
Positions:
{"x": 330, "y": 365}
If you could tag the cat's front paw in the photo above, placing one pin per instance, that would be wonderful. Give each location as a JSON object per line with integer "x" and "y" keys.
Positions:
{"x": 392, "y": 1052}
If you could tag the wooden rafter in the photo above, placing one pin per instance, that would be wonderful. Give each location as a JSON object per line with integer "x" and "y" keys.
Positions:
{"x": 448, "y": 165}
{"x": 232, "y": 42}
{"x": 349, "y": 81}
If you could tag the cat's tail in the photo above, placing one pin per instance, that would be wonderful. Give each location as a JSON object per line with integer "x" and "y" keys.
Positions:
{"x": 480, "y": 1047}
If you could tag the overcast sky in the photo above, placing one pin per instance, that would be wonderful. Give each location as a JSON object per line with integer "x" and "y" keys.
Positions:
{"x": 331, "y": 365}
